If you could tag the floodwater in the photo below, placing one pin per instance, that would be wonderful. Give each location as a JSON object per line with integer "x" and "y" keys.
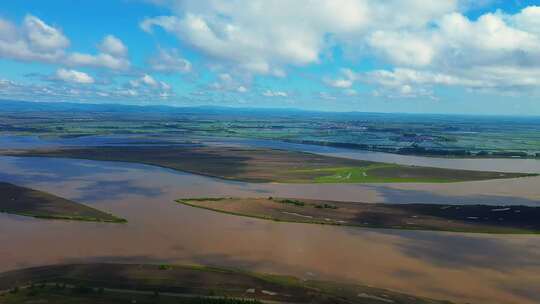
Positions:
{"x": 471, "y": 268}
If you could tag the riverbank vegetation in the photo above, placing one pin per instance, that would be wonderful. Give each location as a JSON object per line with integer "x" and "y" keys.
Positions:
{"x": 136, "y": 283}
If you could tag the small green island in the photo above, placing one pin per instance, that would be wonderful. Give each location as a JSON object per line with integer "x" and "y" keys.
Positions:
{"x": 38, "y": 204}
{"x": 188, "y": 284}
{"x": 436, "y": 217}
{"x": 259, "y": 165}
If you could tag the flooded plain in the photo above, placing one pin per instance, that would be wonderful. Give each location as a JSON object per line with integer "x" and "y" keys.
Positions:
{"x": 473, "y": 268}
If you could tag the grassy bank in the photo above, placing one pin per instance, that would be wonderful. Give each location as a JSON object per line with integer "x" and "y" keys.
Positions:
{"x": 28, "y": 202}
{"x": 125, "y": 283}
{"x": 435, "y": 217}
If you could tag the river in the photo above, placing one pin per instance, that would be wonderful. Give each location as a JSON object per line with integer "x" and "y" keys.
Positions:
{"x": 472, "y": 268}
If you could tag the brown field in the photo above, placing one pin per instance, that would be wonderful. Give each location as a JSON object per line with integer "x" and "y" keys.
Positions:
{"x": 267, "y": 165}
{"x": 28, "y": 202}
{"x": 195, "y": 281}
{"x": 458, "y": 218}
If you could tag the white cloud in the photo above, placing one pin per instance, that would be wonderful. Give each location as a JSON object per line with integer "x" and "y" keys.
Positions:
{"x": 429, "y": 36}
{"x": 344, "y": 82}
{"x": 169, "y": 61}
{"x": 271, "y": 93}
{"x": 147, "y": 85}
{"x": 33, "y": 41}
{"x": 496, "y": 52}
{"x": 405, "y": 81}
{"x": 38, "y": 41}
{"x": 101, "y": 60}
{"x": 241, "y": 89}
{"x": 42, "y": 36}
{"x": 144, "y": 80}
{"x": 113, "y": 46}
{"x": 402, "y": 48}
{"x": 265, "y": 36}
{"x": 149, "y": 80}
{"x": 113, "y": 56}
{"x": 528, "y": 19}
{"x": 74, "y": 76}
{"x": 260, "y": 36}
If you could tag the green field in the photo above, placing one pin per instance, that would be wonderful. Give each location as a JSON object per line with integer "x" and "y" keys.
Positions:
{"x": 429, "y": 135}
{"x": 368, "y": 174}
{"x": 61, "y": 294}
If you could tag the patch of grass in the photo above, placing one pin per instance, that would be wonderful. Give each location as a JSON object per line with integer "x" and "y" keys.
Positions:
{"x": 325, "y": 206}
{"x": 366, "y": 174}
{"x": 292, "y": 202}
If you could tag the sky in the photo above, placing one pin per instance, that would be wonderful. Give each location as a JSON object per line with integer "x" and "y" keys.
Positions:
{"x": 445, "y": 56}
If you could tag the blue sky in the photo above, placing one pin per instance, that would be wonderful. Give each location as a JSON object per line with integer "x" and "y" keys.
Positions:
{"x": 447, "y": 56}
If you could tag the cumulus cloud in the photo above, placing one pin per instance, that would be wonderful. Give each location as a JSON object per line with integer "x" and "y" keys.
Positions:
{"x": 74, "y": 76}
{"x": 169, "y": 61}
{"x": 35, "y": 40}
{"x": 404, "y": 81}
{"x": 431, "y": 37}
{"x": 344, "y": 82}
{"x": 113, "y": 46}
{"x": 260, "y": 36}
{"x": 113, "y": 56}
{"x": 265, "y": 36}
{"x": 42, "y": 36}
{"x": 148, "y": 81}
{"x": 146, "y": 86}
{"x": 100, "y": 60}
{"x": 402, "y": 48}
{"x": 528, "y": 19}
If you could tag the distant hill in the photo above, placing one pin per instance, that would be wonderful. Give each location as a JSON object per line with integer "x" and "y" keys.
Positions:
{"x": 30, "y": 106}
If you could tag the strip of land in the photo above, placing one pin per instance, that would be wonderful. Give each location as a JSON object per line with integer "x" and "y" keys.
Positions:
{"x": 132, "y": 283}
{"x": 267, "y": 165}
{"x": 28, "y": 202}
{"x": 436, "y": 217}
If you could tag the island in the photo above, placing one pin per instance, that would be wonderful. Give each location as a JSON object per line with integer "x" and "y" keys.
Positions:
{"x": 29, "y": 202}
{"x": 435, "y": 217}
{"x": 266, "y": 165}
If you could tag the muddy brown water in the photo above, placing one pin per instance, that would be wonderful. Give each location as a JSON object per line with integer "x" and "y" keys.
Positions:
{"x": 462, "y": 267}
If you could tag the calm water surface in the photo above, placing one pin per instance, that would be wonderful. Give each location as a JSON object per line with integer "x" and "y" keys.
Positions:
{"x": 462, "y": 267}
